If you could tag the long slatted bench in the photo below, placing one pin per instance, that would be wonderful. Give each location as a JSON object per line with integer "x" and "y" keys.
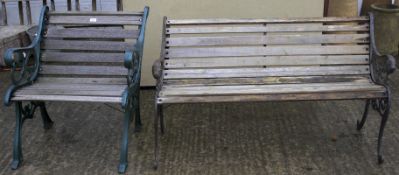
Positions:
{"x": 243, "y": 60}
{"x": 79, "y": 57}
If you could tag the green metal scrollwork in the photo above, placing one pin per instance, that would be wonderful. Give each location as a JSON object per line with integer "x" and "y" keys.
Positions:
{"x": 20, "y": 58}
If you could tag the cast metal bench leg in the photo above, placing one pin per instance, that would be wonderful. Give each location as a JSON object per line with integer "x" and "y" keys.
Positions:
{"x": 384, "y": 109}
{"x": 158, "y": 114}
{"x": 360, "y": 124}
{"x": 137, "y": 122}
{"x": 125, "y": 139}
{"x": 17, "y": 147}
{"x": 47, "y": 122}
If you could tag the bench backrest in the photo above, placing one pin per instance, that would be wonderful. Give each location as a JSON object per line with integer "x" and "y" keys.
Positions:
{"x": 209, "y": 49}
{"x": 88, "y": 43}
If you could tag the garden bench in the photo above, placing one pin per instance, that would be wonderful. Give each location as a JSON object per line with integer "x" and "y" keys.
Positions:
{"x": 78, "y": 57}
{"x": 247, "y": 60}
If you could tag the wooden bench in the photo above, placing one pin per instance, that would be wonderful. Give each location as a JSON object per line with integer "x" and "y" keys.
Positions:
{"x": 79, "y": 57}
{"x": 246, "y": 60}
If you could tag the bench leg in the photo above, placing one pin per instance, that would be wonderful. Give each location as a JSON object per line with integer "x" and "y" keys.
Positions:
{"x": 161, "y": 119}
{"x": 360, "y": 124}
{"x": 17, "y": 147}
{"x": 156, "y": 135}
{"x": 125, "y": 139}
{"x": 47, "y": 122}
{"x": 384, "y": 109}
{"x": 137, "y": 122}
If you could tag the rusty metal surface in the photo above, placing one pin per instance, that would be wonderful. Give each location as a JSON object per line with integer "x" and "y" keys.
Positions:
{"x": 250, "y": 138}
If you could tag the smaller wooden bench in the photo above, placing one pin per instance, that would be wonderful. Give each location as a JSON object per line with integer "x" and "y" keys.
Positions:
{"x": 79, "y": 57}
{"x": 246, "y": 60}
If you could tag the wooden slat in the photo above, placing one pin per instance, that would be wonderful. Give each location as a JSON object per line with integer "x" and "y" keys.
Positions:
{"x": 265, "y": 61}
{"x": 268, "y": 28}
{"x": 75, "y": 80}
{"x": 67, "y": 98}
{"x": 53, "y": 32}
{"x": 268, "y": 89}
{"x": 95, "y": 20}
{"x": 266, "y": 80}
{"x": 272, "y": 97}
{"x": 276, "y": 20}
{"x": 96, "y": 13}
{"x": 268, "y": 39}
{"x": 72, "y": 92}
{"x": 63, "y": 86}
{"x": 87, "y": 45}
{"x": 83, "y": 70}
{"x": 270, "y": 50}
{"x": 269, "y": 71}
{"x": 53, "y": 56}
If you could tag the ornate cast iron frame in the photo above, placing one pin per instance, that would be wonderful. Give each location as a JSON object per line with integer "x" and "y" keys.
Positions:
{"x": 21, "y": 58}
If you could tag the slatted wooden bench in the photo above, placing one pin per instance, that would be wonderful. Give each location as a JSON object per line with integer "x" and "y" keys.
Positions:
{"x": 79, "y": 57}
{"x": 245, "y": 60}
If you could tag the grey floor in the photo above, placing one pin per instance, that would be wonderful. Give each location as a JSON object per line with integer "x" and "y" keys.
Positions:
{"x": 239, "y": 138}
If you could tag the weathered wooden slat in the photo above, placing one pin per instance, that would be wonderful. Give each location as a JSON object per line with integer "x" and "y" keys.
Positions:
{"x": 275, "y": 20}
{"x": 268, "y": 39}
{"x": 269, "y": 28}
{"x": 268, "y": 71}
{"x": 96, "y": 13}
{"x": 266, "y": 80}
{"x": 96, "y": 81}
{"x": 53, "y": 32}
{"x": 83, "y": 70}
{"x": 100, "y": 99}
{"x": 265, "y": 61}
{"x": 87, "y": 45}
{"x": 270, "y": 50}
{"x": 272, "y": 97}
{"x": 269, "y": 89}
{"x": 69, "y": 92}
{"x": 95, "y": 20}
{"x": 62, "y": 86}
{"x": 54, "y": 56}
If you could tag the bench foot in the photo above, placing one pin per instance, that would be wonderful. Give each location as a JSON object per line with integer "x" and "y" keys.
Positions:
{"x": 381, "y": 133}
{"x": 122, "y": 168}
{"x": 125, "y": 139}
{"x": 359, "y": 125}
{"x": 380, "y": 160}
{"x": 17, "y": 145}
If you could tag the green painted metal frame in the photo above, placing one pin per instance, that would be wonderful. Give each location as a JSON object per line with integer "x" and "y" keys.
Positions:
{"x": 18, "y": 58}
{"x": 131, "y": 95}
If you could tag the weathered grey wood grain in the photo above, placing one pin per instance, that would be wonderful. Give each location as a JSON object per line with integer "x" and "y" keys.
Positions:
{"x": 95, "y": 20}
{"x": 54, "y": 56}
{"x": 177, "y": 63}
{"x": 53, "y": 32}
{"x": 269, "y": 71}
{"x": 268, "y": 28}
{"x": 66, "y": 98}
{"x": 52, "y": 44}
{"x": 75, "y": 80}
{"x": 82, "y": 70}
{"x": 268, "y": 39}
{"x": 270, "y": 50}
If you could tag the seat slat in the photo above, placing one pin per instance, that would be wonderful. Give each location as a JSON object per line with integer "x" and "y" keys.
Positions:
{"x": 95, "y": 13}
{"x": 275, "y": 20}
{"x": 111, "y": 93}
{"x": 269, "y": 89}
{"x": 92, "y": 33}
{"x": 272, "y": 97}
{"x": 269, "y": 50}
{"x": 100, "y": 99}
{"x": 87, "y": 45}
{"x": 76, "y": 80}
{"x": 62, "y": 86}
{"x": 54, "y": 56}
{"x": 269, "y": 71}
{"x": 221, "y": 62}
{"x": 268, "y": 29}
{"x": 270, "y": 39}
{"x": 266, "y": 80}
{"x": 83, "y": 70}
{"x": 95, "y": 20}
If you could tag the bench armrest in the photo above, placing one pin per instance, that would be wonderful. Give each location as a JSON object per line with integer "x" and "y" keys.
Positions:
{"x": 25, "y": 61}
{"x": 381, "y": 65}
